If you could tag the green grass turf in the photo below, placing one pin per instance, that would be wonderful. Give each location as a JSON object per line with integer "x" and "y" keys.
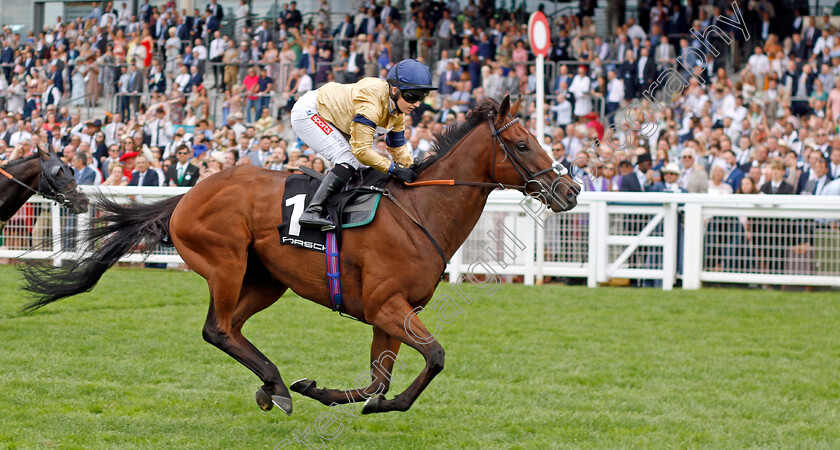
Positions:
{"x": 526, "y": 367}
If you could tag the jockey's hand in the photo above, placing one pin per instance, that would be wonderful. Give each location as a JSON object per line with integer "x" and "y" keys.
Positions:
{"x": 404, "y": 174}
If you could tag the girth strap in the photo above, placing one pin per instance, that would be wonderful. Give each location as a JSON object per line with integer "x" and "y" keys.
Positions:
{"x": 408, "y": 213}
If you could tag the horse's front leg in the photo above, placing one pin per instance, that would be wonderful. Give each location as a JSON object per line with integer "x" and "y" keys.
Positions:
{"x": 399, "y": 320}
{"x": 383, "y": 355}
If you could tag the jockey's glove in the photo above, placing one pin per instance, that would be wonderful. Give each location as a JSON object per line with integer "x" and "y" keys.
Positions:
{"x": 403, "y": 174}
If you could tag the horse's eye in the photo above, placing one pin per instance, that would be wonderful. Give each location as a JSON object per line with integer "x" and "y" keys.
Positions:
{"x": 522, "y": 147}
{"x": 55, "y": 171}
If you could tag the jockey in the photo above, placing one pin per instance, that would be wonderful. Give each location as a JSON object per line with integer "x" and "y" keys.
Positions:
{"x": 339, "y": 122}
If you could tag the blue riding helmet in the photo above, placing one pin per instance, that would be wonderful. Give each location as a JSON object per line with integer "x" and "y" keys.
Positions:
{"x": 410, "y": 74}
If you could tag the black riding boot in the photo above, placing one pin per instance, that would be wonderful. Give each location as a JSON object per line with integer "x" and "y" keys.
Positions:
{"x": 315, "y": 214}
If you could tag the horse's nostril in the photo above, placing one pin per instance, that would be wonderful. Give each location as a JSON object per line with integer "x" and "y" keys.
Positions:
{"x": 571, "y": 196}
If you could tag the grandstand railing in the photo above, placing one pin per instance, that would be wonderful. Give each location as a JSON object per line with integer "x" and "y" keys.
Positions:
{"x": 655, "y": 237}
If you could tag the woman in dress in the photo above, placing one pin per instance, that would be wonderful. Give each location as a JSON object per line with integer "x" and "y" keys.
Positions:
{"x": 92, "y": 86}
{"x": 147, "y": 43}
{"x": 15, "y": 96}
{"x": 504, "y": 54}
{"x": 172, "y": 48}
{"x": 270, "y": 58}
{"x": 288, "y": 58}
{"x": 520, "y": 55}
{"x": 77, "y": 93}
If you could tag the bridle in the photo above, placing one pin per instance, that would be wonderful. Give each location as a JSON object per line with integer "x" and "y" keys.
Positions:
{"x": 47, "y": 186}
{"x": 528, "y": 177}
{"x": 545, "y": 190}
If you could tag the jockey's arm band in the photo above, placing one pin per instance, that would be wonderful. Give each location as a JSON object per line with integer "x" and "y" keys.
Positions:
{"x": 364, "y": 121}
{"x": 395, "y": 139}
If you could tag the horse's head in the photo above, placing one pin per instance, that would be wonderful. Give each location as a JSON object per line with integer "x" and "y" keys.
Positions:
{"x": 520, "y": 159}
{"x": 57, "y": 183}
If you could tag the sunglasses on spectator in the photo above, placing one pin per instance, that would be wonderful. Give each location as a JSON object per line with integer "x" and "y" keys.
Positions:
{"x": 687, "y": 157}
{"x": 183, "y": 153}
{"x": 414, "y": 96}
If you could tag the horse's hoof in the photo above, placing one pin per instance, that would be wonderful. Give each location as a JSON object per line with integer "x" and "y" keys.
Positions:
{"x": 372, "y": 404}
{"x": 300, "y": 386}
{"x": 284, "y": 403}
{"x": 264, "y": 400}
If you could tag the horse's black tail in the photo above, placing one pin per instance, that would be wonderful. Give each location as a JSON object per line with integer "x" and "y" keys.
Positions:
{"x": 119, "y": 230}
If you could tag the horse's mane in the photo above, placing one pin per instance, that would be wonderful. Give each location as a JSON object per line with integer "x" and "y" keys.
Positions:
{"x": 444, "y": 142}
{"x": 15, "y": 162}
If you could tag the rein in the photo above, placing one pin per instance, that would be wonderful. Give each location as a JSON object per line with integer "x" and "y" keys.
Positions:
{"x": 527, "y": 176}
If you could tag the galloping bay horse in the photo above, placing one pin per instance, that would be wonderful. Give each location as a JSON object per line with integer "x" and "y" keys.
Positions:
{"x": 43, "y": 173}
{"x": 226, "y": 230}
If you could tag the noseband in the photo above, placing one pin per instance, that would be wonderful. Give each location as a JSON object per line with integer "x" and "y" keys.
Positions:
{"x": 47, "y": 186}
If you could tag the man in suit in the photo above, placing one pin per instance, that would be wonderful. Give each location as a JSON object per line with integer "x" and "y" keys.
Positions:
{"x": 125, "y": 82}
{"x": 159, "y": 129}
{"x": 216, "y": 16}
{"x": 389, "y": 12}
{"x": 560, "y": 49}
{"x": 799, "y": 50}
{"x": 368, "y": 24}
{"x": 810, "y": 34}
{"x": 821, "y": 177}
{"x": 665, "y": 54}
{"x": 735, "y": 175}
{"x": 693, "y": 178}
{"x": 182, "y": 173}
{"x": 84, "y": 174}
{"x": 51, "y": 95}
{"x": 448, "y": 78}
{"x": 558, "y": 154}
{"x": 636, "y": 180}
{"x": 619, "y": 50}
{"x": 142, "y": 176}
{"x": 293, "y": 18}
{"x": 355, "y": 65}
{"x": 264, "y": 35}
{"x": 145, "y": 11}
{"x": 259, "y": 156}
{"x": 445, "y": 110}
{"x": 345, "y": 30}
{"x": 195, "y": 80}
{"x": 7, "y": 56}
{"x": 834, "y": 161}
{"x": 645, "y": 70}
{"x": 777, "y": 183}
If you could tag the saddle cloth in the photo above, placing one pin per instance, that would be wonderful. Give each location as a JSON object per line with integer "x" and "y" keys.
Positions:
{"x": 355, "y": 206}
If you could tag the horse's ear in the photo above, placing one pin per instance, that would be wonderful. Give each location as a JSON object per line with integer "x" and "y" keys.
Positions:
{"x": 515, "y": 107}
{"x": 503, "y": 110}
{"x": 43, "y": 154}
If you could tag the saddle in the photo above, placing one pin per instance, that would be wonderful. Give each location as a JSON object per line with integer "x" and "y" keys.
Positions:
{"x": 354, "y": 206}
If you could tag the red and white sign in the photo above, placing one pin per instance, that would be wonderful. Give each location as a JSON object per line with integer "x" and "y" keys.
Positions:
{"x": 321, "y": 124}
{"x": 539, "y": 34}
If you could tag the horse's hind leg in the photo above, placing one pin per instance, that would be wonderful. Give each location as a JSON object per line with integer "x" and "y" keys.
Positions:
{"x": 233, "y": 301}
{"x": 383, "y": 355}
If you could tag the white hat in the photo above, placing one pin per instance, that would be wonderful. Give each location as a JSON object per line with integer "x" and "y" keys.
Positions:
{"x": 671, "y": 168}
